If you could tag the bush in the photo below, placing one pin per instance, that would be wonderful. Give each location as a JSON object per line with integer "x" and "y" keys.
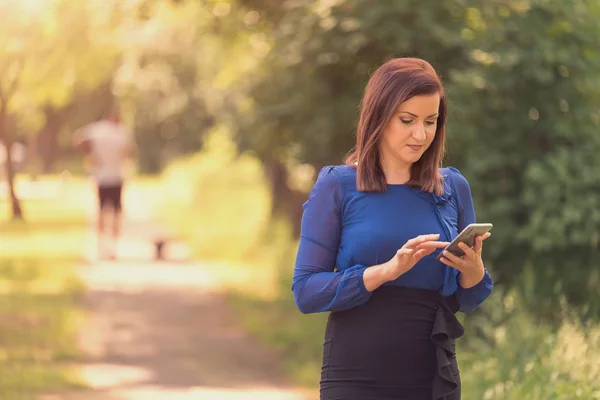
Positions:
{"x": 524, "y": 358}
{"x": 217, "y": 200}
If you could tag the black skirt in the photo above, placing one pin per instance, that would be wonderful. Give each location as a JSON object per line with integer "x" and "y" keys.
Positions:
{"x": 398, "y": 345}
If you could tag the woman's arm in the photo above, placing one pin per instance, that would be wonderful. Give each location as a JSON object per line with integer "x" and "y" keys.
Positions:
{"x": 472, "y": 289}
{"x": 315, "y": 285}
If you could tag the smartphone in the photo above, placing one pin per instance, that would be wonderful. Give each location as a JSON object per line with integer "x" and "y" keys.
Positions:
{"x": 467, "y": 236}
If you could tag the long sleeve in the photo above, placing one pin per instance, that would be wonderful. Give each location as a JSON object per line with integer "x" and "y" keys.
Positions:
{"x": 316, "y": 286}
{"x": 469, "y": 299}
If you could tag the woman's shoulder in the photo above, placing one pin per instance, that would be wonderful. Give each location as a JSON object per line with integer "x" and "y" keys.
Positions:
{"x": 340, "y": 179}
{"x": 341, "y": 173}
{"x": 454, "y": 177}
{"x": 457, "y": 183}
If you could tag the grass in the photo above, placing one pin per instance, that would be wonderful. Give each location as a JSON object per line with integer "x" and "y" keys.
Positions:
{"x": 39, "y": 291}
{"x": 277, "y": 323}
{"x": 526, "y": 358}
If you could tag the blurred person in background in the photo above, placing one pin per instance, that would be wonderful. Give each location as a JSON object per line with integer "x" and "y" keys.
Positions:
{"x": 109, "y": 145}
{"x": 371, "y": 230}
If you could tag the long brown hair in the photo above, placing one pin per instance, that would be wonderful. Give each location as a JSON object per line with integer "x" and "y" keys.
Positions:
{"x": 391, "y": 84}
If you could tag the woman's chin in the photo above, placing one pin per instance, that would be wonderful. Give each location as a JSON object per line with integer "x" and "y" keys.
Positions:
{"x": 412, "y": 158}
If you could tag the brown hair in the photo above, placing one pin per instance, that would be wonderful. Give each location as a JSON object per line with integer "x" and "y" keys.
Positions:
{"x": 393, "y": 83}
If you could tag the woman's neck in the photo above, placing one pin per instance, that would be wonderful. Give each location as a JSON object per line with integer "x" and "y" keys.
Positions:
{"x": 395, "y": 173}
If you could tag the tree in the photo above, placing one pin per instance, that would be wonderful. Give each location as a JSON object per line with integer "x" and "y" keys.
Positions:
{"x": 165, "y": 80}
{"x": 47, "y": 51}
{"x": 304, "y": 96}
{"x": 10, "y": 70}
{"x": 529, "y": 115}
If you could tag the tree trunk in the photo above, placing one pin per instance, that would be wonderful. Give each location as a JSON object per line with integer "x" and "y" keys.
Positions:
{"x": 33, "y": 157}
{"x": 5, "y": 137}
{"x": 47, "y": 139}
{"x": 286, "y": 202}
{"x": 47, "y": 143}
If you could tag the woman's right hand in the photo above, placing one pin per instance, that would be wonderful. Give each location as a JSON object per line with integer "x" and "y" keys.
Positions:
{"x": 402, "y": 262}
{"x": 409, "y": 254}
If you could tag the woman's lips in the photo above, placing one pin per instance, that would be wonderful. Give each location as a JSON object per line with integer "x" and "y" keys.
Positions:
{"x": 414, "y": 147}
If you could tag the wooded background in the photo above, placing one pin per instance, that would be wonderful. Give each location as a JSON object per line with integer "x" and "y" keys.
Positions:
{"x": 281, "y": 81}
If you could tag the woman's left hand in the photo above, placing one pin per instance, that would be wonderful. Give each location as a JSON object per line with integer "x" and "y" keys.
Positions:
{"x": 470, "y": 264}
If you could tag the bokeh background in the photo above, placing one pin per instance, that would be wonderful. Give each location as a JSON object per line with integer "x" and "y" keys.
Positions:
{"x": 235, "y": 104}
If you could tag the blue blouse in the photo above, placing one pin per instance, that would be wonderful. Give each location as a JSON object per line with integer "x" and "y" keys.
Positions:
{"x": 345, "y": 231}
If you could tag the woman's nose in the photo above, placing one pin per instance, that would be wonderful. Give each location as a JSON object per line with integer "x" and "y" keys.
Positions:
{"x": 419, "y": 133}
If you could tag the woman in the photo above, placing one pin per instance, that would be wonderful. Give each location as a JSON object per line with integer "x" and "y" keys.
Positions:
{"x": 371, "y": 231}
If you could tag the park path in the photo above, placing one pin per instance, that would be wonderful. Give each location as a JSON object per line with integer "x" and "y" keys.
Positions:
{"x": 163, "y": 330}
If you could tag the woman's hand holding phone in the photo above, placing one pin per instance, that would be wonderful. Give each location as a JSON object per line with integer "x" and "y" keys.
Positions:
{"x": 470, "y": 264}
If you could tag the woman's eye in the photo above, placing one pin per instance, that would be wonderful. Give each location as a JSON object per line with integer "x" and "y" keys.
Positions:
{"x": 405, "y": 121}
{"x": 430, "y": 123}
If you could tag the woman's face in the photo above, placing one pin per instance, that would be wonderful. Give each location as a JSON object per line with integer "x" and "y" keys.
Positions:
{"x": 411, "y": 130}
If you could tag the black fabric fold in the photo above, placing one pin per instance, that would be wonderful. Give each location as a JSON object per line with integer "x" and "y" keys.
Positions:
{"x": 446, "y": 329}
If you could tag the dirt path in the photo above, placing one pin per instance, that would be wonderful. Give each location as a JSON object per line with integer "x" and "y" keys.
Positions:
{"x": 162, "y": 330}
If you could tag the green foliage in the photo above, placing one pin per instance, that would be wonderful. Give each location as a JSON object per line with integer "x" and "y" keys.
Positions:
{"x": 162, "y": 81}
{"x": 528, "y": 109}
{"x": 217, "y": 200}
{"x": 180, "y": 61}
{"x": 50, "y": 51}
